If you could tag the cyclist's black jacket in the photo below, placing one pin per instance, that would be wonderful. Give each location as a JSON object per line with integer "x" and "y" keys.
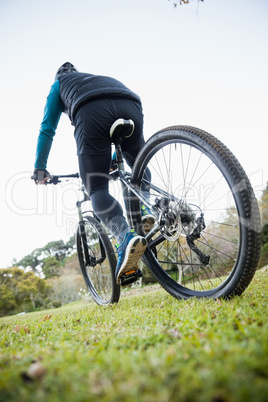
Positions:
{"x": 68, "y": 94}
{"x": 76, "y": 89}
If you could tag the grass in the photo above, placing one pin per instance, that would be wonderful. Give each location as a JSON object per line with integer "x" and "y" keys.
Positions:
{"x": 149, "y": 347}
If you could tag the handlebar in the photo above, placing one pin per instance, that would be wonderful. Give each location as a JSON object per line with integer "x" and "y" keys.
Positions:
{"x": 55, "y": 179}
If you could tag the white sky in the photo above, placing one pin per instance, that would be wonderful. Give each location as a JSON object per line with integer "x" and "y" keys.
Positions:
{"x": 203, "y": 65}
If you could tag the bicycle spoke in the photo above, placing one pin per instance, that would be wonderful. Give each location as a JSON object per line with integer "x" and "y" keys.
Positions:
{"x": 196, "y": 195}
{"x": 98, "y": 267}
{"x": 197, "y": 174}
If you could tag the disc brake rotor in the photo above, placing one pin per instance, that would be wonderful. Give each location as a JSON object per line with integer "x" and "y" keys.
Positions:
{"x": 180, "y": 220}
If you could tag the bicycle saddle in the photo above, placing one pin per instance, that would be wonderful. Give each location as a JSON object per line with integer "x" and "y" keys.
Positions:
{"x": 121, "y": 129}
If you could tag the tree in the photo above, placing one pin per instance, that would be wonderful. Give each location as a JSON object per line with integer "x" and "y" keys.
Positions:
{"x": 21, "y": 291}
{"x": 265, "y": 234}
{"x": 264, "y": 214}
{"x": 31, "y": 261}
{"x": 7, "y": 300}
{"x": 51, "y": 267}
{"x": 181, "y": 2}
{"x": 57, "y": 250}
{"x": 264, "y": 206}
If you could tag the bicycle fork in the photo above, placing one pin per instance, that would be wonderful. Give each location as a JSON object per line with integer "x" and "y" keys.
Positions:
{"x": 90, "y": 260}
{"x": 82, "y": 232}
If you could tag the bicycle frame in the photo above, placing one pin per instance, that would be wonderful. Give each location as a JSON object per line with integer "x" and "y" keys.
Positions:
{"x": 124, "y": 177}
{"x": 198, "y": 218}
{"x": 127, "y": 187}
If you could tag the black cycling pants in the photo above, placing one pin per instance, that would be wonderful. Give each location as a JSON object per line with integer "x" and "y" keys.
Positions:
{"x": 92, "y": 126}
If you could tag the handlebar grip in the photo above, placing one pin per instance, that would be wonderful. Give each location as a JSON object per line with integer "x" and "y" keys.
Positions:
{"x": 54, "y": 179}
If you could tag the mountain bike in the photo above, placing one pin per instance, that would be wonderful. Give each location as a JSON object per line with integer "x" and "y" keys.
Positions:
{"x": 206, "y": 236}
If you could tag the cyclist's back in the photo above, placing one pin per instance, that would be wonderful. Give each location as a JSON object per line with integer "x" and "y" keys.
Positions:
{"x": 78, "y": 89}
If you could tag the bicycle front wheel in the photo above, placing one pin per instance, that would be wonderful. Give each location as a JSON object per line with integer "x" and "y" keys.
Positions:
{"x": 209, "y": 238}
{"x": 97, "y": 261}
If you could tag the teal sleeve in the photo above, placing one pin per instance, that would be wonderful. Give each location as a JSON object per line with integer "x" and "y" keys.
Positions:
{"x": 52, "y": 112}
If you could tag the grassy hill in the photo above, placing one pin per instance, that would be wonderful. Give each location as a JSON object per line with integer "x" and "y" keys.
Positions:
{"x": 148, "y": 347}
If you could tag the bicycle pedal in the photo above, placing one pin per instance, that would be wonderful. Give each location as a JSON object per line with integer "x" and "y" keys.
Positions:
{"x": 129, "y": 277}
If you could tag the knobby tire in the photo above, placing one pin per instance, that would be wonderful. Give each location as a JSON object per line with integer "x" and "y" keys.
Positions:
{"x": 234, "y": 255}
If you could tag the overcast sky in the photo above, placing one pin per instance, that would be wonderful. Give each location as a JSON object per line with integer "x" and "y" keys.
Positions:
{"x": 203, "y": 64}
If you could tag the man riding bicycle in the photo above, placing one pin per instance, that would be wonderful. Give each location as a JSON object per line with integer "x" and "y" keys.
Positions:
{"x": 93, "y": 103}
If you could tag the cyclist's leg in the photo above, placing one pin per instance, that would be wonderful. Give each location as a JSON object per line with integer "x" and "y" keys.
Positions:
{"x": 131, "y": 246}
{"x": 130, "y": 159}
{"x": 92, "y": 126}
{"x": 93, "y": 171}
{"x": 132, "y": 145}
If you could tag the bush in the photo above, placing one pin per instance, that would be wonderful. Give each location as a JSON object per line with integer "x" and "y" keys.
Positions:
{"x": 65, "y": 289}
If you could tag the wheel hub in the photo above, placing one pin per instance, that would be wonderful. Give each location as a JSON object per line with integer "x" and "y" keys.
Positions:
{"x": 179, "y": 219}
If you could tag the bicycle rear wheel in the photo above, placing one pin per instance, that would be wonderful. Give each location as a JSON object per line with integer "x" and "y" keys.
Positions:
{"x": 97, "y": 261}
{"x": 209, "y": 238}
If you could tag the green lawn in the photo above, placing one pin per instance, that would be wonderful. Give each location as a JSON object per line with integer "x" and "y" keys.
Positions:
{"x": 148, "y": 347}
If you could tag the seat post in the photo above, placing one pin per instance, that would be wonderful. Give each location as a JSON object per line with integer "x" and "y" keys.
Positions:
{"x": 119, "y": 157}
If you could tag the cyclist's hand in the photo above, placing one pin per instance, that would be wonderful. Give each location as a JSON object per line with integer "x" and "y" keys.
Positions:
{"x": 41, "y": 176}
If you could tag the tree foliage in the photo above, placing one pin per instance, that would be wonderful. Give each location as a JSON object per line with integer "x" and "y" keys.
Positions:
{"x": 31, "y": 261}
{"x": 49, "y": 258}
{"x": 264, "y": 206}
{"x": 51, "y": 267}
{"x": 264, "y": 215}
{"x": 21, "y": 291}
{"x": 182, "y": 2}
